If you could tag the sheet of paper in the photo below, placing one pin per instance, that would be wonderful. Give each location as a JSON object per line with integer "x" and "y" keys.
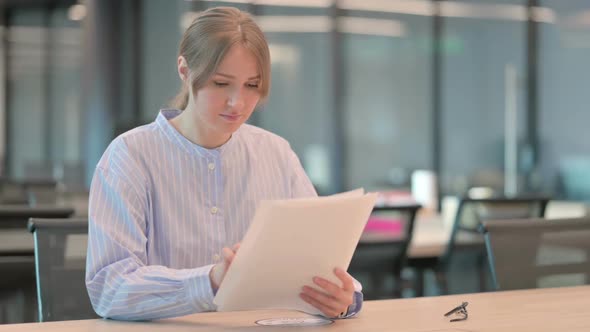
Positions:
{"x": 288, "y": 243}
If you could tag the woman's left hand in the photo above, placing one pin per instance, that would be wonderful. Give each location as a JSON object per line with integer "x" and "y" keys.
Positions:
{"x": 334, "y": 300}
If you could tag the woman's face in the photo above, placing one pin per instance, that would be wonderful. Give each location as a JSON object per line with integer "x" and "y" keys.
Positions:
{"x": 228, "y": 99}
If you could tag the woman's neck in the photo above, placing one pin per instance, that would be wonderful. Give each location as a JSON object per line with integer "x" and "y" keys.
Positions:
{"x": 187, "y": 125}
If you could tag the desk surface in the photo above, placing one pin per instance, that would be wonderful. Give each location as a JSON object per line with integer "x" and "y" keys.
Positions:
{"x": 541, "y": 310}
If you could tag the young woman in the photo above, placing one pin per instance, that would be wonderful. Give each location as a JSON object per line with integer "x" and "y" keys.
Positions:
{"x": 170, "y": 200}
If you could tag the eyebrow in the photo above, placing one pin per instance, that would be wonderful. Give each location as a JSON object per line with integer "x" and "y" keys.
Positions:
{"x": 231, "y": 76}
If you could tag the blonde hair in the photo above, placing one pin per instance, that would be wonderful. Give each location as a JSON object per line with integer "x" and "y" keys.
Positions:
{"x": 209, "y": 37}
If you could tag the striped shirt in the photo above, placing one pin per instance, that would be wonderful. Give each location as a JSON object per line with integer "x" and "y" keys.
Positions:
{"x": 162, "y": 208}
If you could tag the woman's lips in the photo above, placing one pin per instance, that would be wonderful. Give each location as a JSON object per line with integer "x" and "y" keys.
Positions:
{"x": 231, "y": 118}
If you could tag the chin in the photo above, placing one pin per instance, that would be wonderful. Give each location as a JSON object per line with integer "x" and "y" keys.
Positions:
{"x": 231, "y": 128}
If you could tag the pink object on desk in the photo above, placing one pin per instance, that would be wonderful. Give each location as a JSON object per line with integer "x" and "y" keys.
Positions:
{"x": 383, "y": 225}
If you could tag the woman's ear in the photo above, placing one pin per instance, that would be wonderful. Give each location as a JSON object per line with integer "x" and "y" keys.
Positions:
{"x": 183, "y": 70}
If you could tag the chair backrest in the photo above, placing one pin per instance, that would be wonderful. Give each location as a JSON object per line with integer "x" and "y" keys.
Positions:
{"x": 17, "y": 216}
{"x": 388, "y": 254}
{"x": 537, "y": 253}
{"x": 471, "y": 212}
{"x": 60, "y": 260}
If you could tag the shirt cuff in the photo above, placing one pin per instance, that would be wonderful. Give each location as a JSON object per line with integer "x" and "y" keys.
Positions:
{"x": 199, "y": 290}
{"x": 355, "y": 307}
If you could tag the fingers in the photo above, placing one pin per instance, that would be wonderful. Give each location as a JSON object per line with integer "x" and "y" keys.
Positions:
{"x": 227, "y": 253}
{"x": 343, "y": 294}
{"x": 347, "y": 282}
{"x": 330, "y": 288}
{"x": 325, "y": 299}
{"x": 228, "y": 256}
{"x": 335, "y": 300}
{"x": 327, "y": 311}
{"x": 217, "y": 273}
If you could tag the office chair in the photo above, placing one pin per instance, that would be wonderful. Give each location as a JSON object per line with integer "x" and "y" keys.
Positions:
{"x": 386, "y": 254}
{"x": 17, "y": 261}
{"x": 537, "y": 253}
{"x": 471, "y": 212}
{"x": 60, "y": 263}
{"x": 17, "y": 216}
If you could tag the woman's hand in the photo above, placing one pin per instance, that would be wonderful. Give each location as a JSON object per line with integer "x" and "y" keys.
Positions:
{"x": 219, "y": 270}
{"x": 334, "y": 300}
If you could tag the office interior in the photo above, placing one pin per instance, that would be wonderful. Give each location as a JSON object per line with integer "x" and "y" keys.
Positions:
{"x": 429, "y": 101}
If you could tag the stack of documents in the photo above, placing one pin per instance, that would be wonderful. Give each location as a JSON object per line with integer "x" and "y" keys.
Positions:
{"x": 288, "y": 243}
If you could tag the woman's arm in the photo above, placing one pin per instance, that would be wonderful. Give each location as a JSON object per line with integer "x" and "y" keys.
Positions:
{"x": 120, "y": 282}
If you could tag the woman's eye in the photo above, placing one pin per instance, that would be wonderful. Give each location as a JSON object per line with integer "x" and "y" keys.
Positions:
{"x": 220, "y": 83}
{"x": 253, "y": 85}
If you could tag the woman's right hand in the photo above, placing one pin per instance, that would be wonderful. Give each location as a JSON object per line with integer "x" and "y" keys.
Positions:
{"x": 219, "y": 270}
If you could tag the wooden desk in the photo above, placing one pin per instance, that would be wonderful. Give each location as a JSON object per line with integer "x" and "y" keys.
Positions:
{"x": 541, "y": 310}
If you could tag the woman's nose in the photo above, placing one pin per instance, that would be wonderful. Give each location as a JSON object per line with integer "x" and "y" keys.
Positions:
{"x": 236, "y": 99}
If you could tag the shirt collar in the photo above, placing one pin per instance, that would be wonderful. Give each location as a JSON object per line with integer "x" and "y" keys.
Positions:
{"x": 162, "y": 120}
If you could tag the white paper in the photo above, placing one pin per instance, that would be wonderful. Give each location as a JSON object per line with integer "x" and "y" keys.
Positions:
{"x": 288, "y": 243}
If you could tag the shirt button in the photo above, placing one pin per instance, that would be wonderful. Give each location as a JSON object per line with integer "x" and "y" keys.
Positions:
{"x": 205, "y": 306}
{"x": 214, "y": 210}
{"x": 211, "y": 166}
{"x": 216, "y": 258}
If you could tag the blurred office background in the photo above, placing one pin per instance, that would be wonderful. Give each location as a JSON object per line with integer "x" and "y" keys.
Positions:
{"x": 489, "y": 93}
{"x": 491, "y": 96}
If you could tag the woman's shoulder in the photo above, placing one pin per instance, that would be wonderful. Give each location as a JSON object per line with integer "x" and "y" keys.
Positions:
{"x": 138, "y": 134}
{"x": 258, "y": 135}
{"x": 128, "y": 147}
